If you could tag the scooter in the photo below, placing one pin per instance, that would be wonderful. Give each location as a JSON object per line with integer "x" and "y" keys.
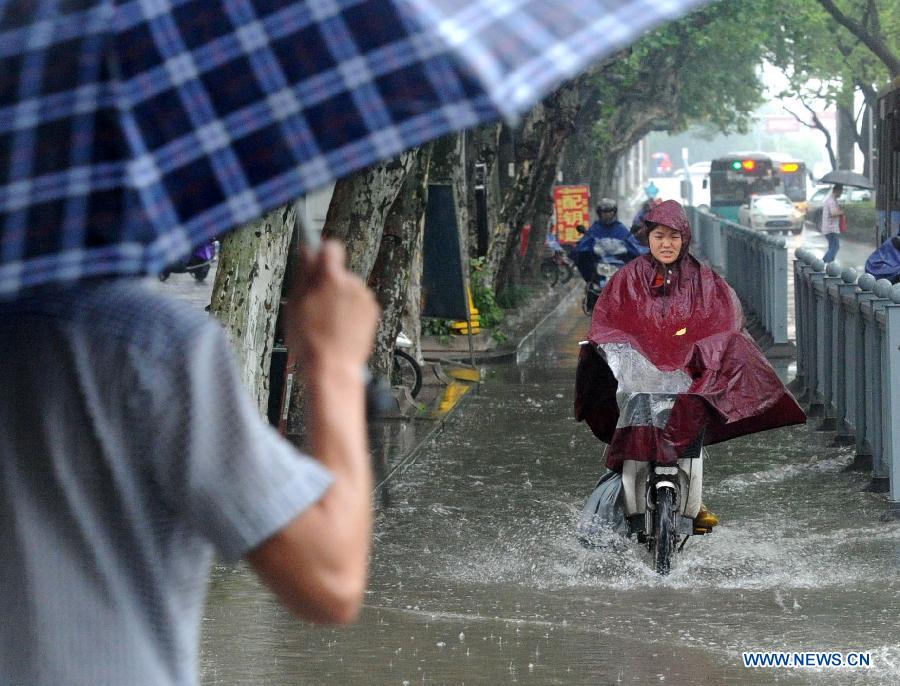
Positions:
{"x": 655, "y": 504}
{"x": 661, "y": 502}
{"x": 197, "y": 264}
{"x": 606, "y": 266}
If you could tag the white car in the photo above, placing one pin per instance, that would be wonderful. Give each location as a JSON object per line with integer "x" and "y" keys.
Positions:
{"x": 774, "y": 213}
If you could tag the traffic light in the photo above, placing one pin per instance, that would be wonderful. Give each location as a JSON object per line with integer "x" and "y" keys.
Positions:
{"x": 745, "y": 165}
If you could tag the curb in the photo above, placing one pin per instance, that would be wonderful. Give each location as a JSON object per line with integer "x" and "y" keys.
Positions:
{"x": 410, "y": 458}
{"x": 413, "y": 455}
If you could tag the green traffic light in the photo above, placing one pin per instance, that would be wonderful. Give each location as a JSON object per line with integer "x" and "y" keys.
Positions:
{"x": 736, "y": 164}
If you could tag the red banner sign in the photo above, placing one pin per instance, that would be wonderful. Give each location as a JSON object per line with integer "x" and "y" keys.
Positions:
{"x": 573, "y": 207}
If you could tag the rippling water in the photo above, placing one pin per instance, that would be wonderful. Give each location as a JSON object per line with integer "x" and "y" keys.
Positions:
{"x": 477, "y": 576}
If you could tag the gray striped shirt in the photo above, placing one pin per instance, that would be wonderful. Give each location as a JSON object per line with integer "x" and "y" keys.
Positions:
{"x": 128, "y": 454}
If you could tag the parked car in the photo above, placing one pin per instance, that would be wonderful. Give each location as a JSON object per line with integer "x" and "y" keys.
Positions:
{"x": 813, "y": 216}
{"x": 775, "y": 213}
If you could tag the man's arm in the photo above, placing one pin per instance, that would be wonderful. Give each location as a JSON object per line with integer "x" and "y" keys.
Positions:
{"x": 316, "y": 565}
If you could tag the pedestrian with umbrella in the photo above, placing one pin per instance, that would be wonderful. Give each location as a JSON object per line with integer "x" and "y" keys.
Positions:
{"x": 834, "y": 221}
{"x": 129, "y": 134}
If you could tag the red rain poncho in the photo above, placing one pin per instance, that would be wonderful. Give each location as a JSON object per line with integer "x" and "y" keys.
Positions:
{"x": 669, "y": 363}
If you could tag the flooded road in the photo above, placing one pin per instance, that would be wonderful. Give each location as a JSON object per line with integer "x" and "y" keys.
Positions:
{"x": 477, "y": 577}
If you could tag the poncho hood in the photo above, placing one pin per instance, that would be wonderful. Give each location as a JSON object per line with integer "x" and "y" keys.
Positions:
{"x": 670, "y": 213}
{"x": 666, "y": 364}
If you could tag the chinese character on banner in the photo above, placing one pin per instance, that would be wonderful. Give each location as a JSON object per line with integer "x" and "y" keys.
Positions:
{"x": 573, "y": 207}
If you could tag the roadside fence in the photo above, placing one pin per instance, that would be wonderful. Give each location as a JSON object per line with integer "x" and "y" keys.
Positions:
{"x": 754, "y": 263}
{"x": 848, "y": 362}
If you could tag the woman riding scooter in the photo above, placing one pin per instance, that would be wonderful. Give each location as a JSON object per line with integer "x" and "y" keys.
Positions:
{"x": 668, "y": 364}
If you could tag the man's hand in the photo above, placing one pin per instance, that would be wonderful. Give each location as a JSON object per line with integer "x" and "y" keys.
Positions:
{"x": 317, "y": 563}
{"x": 331, "y": 315}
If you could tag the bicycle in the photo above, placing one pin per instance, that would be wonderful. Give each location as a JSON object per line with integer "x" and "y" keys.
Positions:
{"x": 557, "y": 267}
{"x": 405, "y": 370}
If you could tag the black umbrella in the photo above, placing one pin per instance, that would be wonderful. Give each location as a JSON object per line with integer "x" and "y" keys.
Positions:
{"x": 845, "y": 177}
{"x": 131, "y": 132}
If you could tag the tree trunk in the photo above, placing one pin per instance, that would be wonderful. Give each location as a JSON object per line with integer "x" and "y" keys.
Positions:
{"x": 846, "y": 137}
{"x": 247, "y": 294}
{"x": 358, "y": 208}
{"x": 390, "y": 275}
{"x": 356, "y": 215}
{"x": 539, "y": 147}
{"x": 534, "y": 253}
{"x": 411, "y": 319}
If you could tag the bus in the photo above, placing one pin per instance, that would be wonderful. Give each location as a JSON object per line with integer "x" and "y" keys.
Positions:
{"x": 733, "y": 178}
{"x": 887, "y": 164}
{"x": 795, "y": 176}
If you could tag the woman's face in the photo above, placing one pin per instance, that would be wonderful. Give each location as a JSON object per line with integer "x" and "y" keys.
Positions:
{"x": 665, "y": 244}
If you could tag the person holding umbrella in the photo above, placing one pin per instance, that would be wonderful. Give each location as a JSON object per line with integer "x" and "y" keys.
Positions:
{"x": 832, "y": 221}
{"x": 129, "y": 134}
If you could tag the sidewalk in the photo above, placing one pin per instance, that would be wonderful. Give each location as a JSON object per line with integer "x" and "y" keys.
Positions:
{"x": 448, "y": 380}
{"x": 448, "y": 376}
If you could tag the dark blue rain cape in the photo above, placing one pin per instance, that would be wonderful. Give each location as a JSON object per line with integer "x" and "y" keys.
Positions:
{"x": 615, "y": 240}
{"x": 884, "y": 263}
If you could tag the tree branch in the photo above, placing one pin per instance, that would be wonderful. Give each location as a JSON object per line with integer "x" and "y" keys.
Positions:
{"x": 816, "y": 124}
{"x": 873, "y": 41}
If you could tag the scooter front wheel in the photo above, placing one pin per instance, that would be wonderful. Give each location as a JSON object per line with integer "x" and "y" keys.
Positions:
{"x": 664, "y": 540}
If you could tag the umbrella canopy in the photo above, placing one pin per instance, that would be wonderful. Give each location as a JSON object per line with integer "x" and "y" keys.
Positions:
{"x": 845, "y": 177}
{"x": 131, "y": 132}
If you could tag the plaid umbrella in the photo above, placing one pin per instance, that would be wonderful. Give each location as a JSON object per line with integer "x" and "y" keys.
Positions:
{"x": 132, "y": 131}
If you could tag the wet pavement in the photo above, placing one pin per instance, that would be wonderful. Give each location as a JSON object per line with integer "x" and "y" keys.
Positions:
{"x": 851, "y": 253}
{"x": 477, "y": 576}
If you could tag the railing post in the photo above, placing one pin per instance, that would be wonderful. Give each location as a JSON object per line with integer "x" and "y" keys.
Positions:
{"x": 881, "y": 467}
{"x": 802, "y": 331}
{"x": 892, "y": 396}
{"x": 817, "y": 344}
{"x": 779, "y": 322}
{"x": 718, "y": 246}
{"x": 883, "y": 455}
{"x": 800, "y": 379}
{"x": 829, "y": 339}
{"x": 865, "y": 400}
{"x": 845, "y": 376}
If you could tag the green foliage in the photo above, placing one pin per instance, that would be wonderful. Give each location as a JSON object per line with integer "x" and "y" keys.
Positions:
{"x": 437, "y": 327}
{"x": 861, "y": 220}
{"x": 489, "y": 311}
{"x": 512, "y": 296}
{"x": 808, "y": 44}
{"x": 703, "y": 69}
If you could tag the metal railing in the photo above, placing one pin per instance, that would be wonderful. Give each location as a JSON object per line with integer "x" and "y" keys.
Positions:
{"x": 754, "y": 263}
{"x": 848, "y": 362}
